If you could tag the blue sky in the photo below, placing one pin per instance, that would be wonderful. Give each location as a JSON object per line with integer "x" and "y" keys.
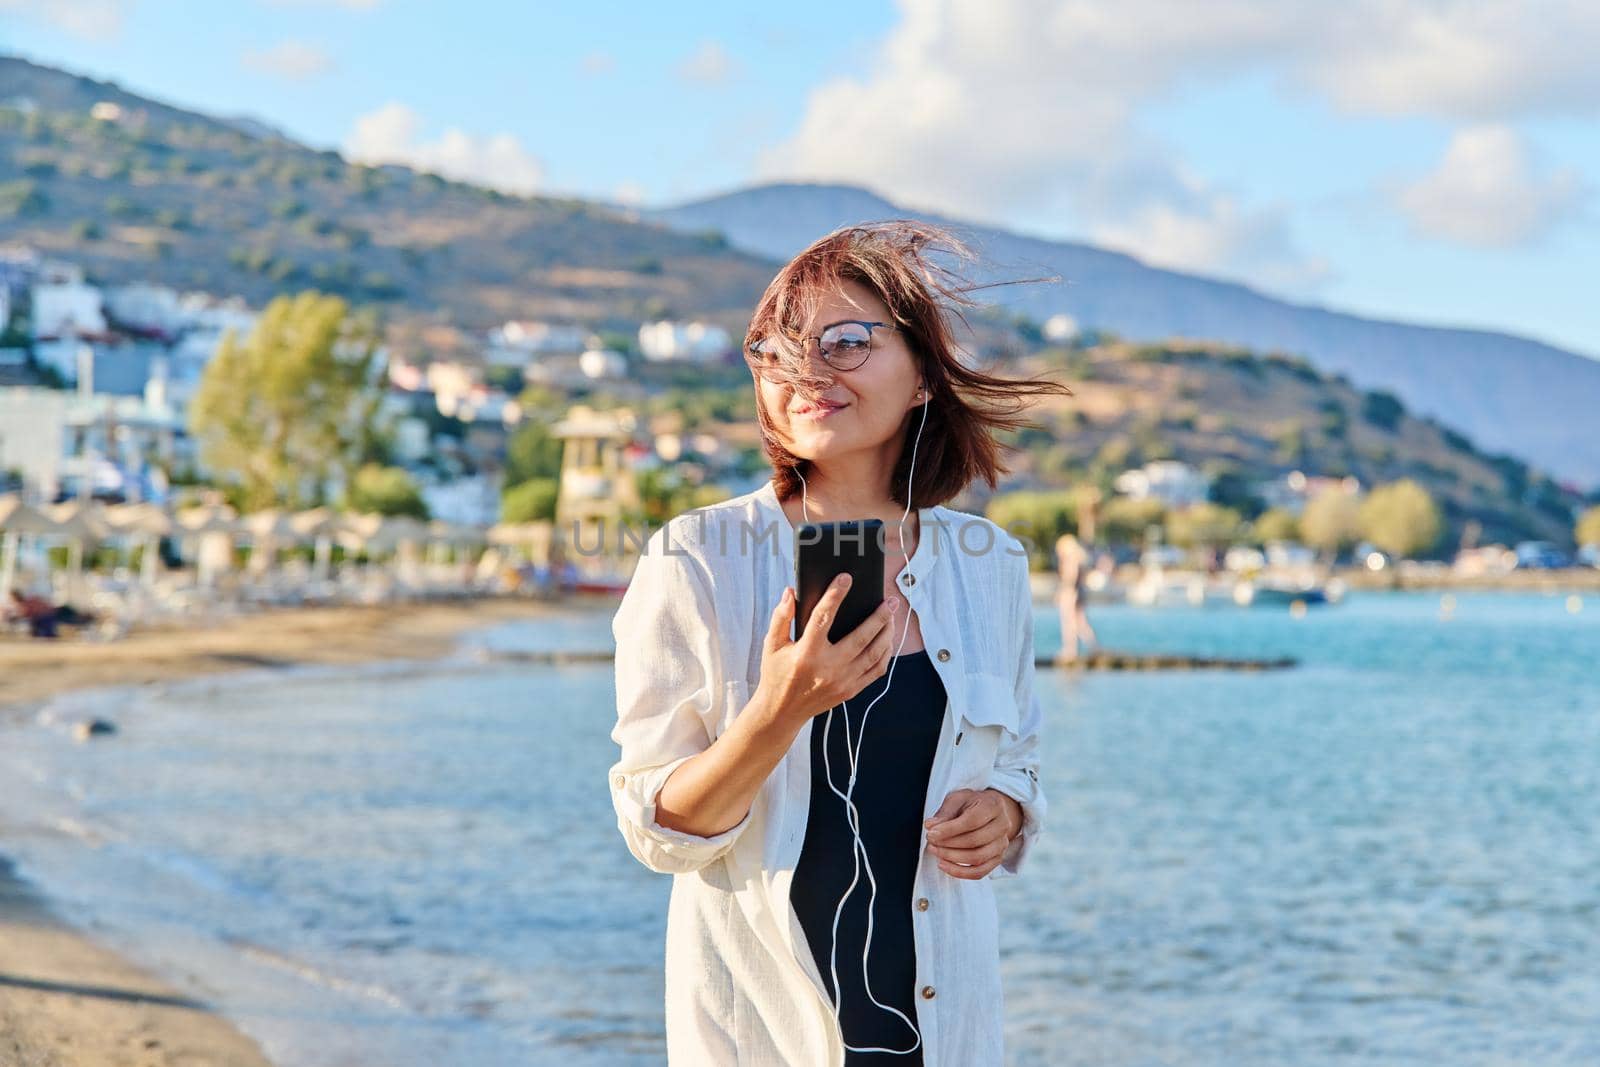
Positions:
{"x": 1436, "y": 162}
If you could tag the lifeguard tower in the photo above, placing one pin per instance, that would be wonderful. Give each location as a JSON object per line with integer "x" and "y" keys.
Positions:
{"x": 597, "y": 486}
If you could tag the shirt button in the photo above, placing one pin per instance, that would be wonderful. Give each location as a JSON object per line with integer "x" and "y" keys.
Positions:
{"x": 619, "y": 780}
{"x": 927, "y": 992}
{"x": 922, "y": 903}
{"x": 958, "y": 737}
{"x": 944, "y": 655}
{"x": 910, "y": 579}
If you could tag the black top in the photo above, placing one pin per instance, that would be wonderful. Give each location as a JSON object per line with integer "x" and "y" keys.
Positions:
{"x": 894, "y": 757}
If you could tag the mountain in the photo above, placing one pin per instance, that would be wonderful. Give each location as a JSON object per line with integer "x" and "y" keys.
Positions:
{"x": 1508, "y": 393}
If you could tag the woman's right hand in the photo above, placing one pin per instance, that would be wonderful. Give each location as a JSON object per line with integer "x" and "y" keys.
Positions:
{"x": 804, "y": 678}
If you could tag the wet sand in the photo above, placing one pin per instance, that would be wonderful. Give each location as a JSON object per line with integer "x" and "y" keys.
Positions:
{"x": 66, "y": 1001}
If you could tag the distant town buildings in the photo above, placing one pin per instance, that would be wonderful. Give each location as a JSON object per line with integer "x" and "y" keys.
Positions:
{"x": 538, "y": 337}
{"x": 694, "y": 342}
{"x": 1293, "y": 490}
{"x": 1175, "y": 484}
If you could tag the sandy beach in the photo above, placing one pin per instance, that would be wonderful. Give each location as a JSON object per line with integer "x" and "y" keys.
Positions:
{"x": 66, "y": 1001}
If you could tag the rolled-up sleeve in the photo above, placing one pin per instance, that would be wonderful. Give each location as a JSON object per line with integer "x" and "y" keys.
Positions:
{"x": 668, "y": 682}
{"x": 1016, "y": 766}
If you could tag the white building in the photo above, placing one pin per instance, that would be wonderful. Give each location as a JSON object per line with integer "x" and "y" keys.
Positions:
{"x": 1174, "y": 483}
{"x": 66, "y": 443}
{"x": 516, "y": 343}
{"x": 145, "y": 307}
{"x": 474, "y": 501}
{"x": 694, "y": 342}
{"x": 603, "y": 363}
{"x": 533, "y": 336}
{"x": 451, "y": 382}
{"x": 67, "y": 309}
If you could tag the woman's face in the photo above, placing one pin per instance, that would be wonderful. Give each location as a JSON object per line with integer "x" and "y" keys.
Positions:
{"x": 852, "y": 410}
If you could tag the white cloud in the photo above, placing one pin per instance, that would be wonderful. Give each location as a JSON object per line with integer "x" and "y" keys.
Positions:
{"x": 1008, "y": 109}
{"x": 392, "y": 134}
{"x": 95, "y": 20}
{"x": 709, "y": 64}
{"x": 1471, "y": 60}
{"x": 1020, "y": 108}
{"x": 290, "y": 60}
{"x": 1216, "y": 231}
{"x": 1485, "y": 191}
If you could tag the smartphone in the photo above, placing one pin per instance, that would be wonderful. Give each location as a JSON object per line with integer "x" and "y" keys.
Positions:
{"x": 824, "y": 550}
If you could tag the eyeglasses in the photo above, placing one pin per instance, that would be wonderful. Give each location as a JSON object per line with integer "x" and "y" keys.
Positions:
{"x": 844, "y": 346}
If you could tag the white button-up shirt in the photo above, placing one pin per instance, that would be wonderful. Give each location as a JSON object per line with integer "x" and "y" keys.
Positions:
{"x": 741, "y": 985}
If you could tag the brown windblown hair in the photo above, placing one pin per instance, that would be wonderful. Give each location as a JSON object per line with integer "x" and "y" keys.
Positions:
{"x": 893, "y": 260}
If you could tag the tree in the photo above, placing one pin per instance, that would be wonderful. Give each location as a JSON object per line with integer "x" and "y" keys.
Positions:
{"x": 530, "y": 501}
{"x": 1231, "y": 488}
{"x": 1204, "y": 524}
{"x": 387, "y": 491}
{"x": 1401, "y": 518}
{"x": 1276, "y": 524}
{"x": 1124, "y": 520}
{"x": 1382, "y": 409}
{"x": 295, "y": 403}
{"x": 1587, "y": 532}
{"x": 1331, "y": 521}
{"x": 532, "y": 452}
{"x": 1038, "y": 517}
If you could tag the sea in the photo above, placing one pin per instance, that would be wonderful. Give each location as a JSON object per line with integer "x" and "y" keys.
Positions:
{"x": 1388, "y": 853}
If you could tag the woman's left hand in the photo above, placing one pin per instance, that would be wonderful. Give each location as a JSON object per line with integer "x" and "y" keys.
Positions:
{"x": 970, "y": 831}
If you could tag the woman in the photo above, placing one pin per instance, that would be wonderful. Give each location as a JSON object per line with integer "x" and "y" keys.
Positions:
{"x": 830, "y": 901}
{"x": 1071, "y": 598}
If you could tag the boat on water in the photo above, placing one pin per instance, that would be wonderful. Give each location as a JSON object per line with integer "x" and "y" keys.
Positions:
{"x": 606, "y": 584}
{"x": 1279, "y": 592}
{"x": 1159, "y": 587}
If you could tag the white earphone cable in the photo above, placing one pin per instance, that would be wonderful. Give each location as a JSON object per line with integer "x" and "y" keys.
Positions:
{"x": 859, "y": 849}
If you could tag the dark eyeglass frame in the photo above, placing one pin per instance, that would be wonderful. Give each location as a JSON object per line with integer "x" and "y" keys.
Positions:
{"x": 827, "y": 357}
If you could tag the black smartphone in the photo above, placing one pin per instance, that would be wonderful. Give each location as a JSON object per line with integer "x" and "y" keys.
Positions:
{"x": 823, "y": 551}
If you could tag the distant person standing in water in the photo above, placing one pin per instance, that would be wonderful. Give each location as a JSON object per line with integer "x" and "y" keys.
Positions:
{"x": 1070, "y": 559}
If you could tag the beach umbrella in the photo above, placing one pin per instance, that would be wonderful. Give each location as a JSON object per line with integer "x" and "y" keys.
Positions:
{"x": 207, "y": 518}
{"x": 150, "y": 522}
{"x": 79, "y": 519}
{"x": 399, "y": 531}
{"x": 145, "y": 518}
{"x": 16, "y": 521}
{"x": 321, "y": 525}
{"x": 78, "y": 522}
{"x": 214, "y": 526}
{"x": 268, "y": 531}
{"x": 536, "y": 537}
{"x": 355, "y": 531}
{"x": 19, "y": 518}
{"x": 446, "y": 535}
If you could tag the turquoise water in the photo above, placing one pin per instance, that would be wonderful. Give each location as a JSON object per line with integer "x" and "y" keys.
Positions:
{"x": 1386, "y": 855}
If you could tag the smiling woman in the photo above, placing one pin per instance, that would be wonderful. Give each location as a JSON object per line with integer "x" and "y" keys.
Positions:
{"x": 831, "y": 897}
{"x": 858, "y": 309}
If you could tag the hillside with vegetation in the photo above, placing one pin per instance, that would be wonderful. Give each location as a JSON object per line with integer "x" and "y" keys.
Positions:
{"x": 159, "y": 194}
{"x": 1242, "y": 417}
